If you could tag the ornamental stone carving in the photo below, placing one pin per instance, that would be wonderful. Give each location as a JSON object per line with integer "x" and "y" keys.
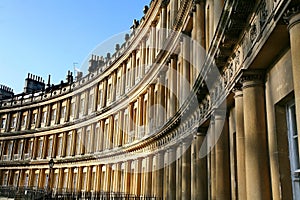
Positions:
{"x": 290, "y": 15}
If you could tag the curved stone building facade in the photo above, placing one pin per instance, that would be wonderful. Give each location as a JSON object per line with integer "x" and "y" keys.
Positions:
{"x": 153, "y": 120}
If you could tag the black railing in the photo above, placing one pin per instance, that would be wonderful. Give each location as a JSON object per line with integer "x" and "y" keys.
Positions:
{"x": 44, "y": 194}
{"x": 22, "y": 192}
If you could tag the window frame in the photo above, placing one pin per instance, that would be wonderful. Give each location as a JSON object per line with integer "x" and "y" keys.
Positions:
{"x": 293, "y": 148}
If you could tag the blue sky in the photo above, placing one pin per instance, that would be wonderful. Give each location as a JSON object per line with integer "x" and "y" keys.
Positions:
{"x": 47, "y": 36}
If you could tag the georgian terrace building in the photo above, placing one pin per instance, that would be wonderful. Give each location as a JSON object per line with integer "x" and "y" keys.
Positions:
{"x": 132, "y": 126}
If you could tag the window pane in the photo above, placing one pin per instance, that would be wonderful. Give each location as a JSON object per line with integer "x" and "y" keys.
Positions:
{"x": 3, "y": 122}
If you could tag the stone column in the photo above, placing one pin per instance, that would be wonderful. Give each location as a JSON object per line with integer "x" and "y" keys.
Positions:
{"x": 166, "y": 175}
{"x": 69, "y": 180}
{"x": 210, "y": 23}
{"x": 153, "y": 42}
{"x": 95, "y": 103}
{"x": 79, "y": 179}
{"x": 68, "y": 109}
{"x": 101, "y": 137}
{"x": 60, "y": 180}
{"x": 127, "y": 181}
{"x": 133, "y": 178}
{"x": 212, "y": 159}
{"x": 240, "y": 143}
{"x": 111, "y": 132}
{"x": 193, "y": 51}
{"x": 173, "y": 86}
{"x": 120, "y": 128}
{"x": 200, "y": 33}
{"x": 98, "y": 177}
{"x": 19, "y": 120}
{"x": 138, "y": 172}
{"x": 123, "y": 76}
{"x": 92, "y": 140}
{"x": 256, "y": 153}
{"x": 28, "y": 123}
{"x": 113, "y": 178}
{"x": 82, "y": 143}
{"x": 185, "y": 87}
{"x": 174, "y": 11}
{"x": 58, "y": 111}
{"x": 218, "y": 6}
{"x": 172, "y": 174}
{"x": 45, "y": 147}
{"x": 118, "y": 177}
{"x": 104, "y": 96}
{"x": 161, "y": 98}
{"x": 35, "y": 148}
{"x": 131, "y": 124}
{"x": 64, "y": 144}
{"x": 222, "y": 158}
{"x": 107, "y": 178}
{"x": 134, "y": 68}
{"x": 150, "y": 125}
{"x": 73, "y": 147}
{"x": 86, "y": 95}
{"x": 186, "y": 171}
{"x": 143, "y": 58}
{"x": 179, "y": 172}
{"x": 8, "y": 121}
{"x": 148, "y": 182}
{"x": 21, "y": 178}
{"x": 232, "y": 153}
{"x": 163, "y": 18}
{"x": 200, "y": 187}
{"x": 140, "y": 132}
{"x": 179, "y": 74}
{"x": 159, "y": 175}
{"x": 114, "y": 85}
{"x": 89, "y": 179}
{"x": 41, "y": 178}
{"x": 294, "y": 29}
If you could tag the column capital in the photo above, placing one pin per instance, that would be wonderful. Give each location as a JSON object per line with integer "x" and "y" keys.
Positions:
{"x": 162, "y": 72}
{"x": 153, "y": 24}
{"x": 164, "y": 3}
{"x": 292, "y": 16}
{"x": 199, "y": 1}
{"x": 184, "y": 34}
{"x": 201, "y": 131}
{"x": 252, "y": 78}
{"x": 238, "y": 92}
{"x": 218, "y": 113}
{"x": 174, "y": 57}
{"x": 193, "y": 9}
{"x": 169, "y": 150}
